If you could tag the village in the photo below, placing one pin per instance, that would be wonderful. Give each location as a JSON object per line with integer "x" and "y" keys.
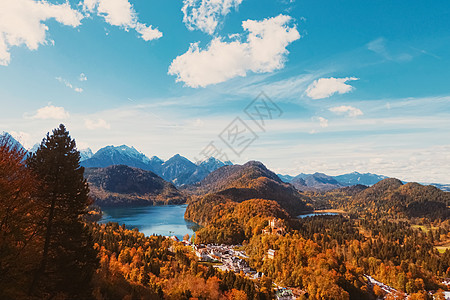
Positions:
{"x": 232, "y": 258}
{"x": 228, "y": 258}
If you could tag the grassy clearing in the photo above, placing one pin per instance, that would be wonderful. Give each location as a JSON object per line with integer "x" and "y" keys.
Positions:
{"x": 209, "y": 263}
{"x": 442, "y": 249}
{"x": 424, "y": 228}
{"x": 421, "y": 227}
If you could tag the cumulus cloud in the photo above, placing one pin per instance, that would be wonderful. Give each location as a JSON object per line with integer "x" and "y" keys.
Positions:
{"x": 50, "y": 112}
{"x": 122, "y": 14}
{"x": 264, "y": 50}
{"x": 326, "y": 87}
{"x": 69, "y": 85}
{"x": 205, "y": 15}
{"x": 347, "y": 110}
{"x": 96, "y": 124}
{"x": 21, "y": 23}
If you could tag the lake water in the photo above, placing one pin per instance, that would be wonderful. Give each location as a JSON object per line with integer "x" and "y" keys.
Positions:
{"x": 318, "y": 214}
{"x": 159, "y": 220}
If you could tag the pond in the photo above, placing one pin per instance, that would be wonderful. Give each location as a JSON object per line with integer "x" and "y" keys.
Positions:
{"x": 316, "y": 214}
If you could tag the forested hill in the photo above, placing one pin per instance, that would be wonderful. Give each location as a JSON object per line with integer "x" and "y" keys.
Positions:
{"x": 234, "y": 176}
{"x": 388, "y": 198}
{"x": 252, "y": 180}
{"x": 393, "y": 197}
{"x": 121, "y": 185}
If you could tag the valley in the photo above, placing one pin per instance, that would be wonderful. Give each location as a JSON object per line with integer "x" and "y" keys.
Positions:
{"x": 242, "y": 232}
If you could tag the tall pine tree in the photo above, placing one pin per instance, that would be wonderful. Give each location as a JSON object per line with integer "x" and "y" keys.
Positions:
{"x": 68, "y": 259}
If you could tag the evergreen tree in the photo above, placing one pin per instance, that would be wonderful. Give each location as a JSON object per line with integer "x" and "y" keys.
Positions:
{"x": 68, "y": 259}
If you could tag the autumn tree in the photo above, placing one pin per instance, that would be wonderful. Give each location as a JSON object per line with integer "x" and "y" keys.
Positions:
{"x": 18, "y": 220}
{"x": 67, "y": 259}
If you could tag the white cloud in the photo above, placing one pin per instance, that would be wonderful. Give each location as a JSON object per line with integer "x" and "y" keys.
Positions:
{"x": 69, "y": 85}
{"x": 263, "y": 51}
{"x": 82, "y": 145}
{"x": 349, "y": 110}
{"x": 148, "y": 33}
{"x": 323, "y": 122}
{"x": 21, "y": 23}
{"x": 96, "y": 124}
{"x": 379, "y": 46}
{"x": 82, "y": 77}
{"x": 51, "y": 112}
{"x": 326, "y": 87}
{"x": 205, "y": 15}
{"x": 122, "y": 14}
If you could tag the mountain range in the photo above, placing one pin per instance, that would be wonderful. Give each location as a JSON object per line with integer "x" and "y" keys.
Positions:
{"x": 323, "y": 182}
{"x": 182, "y": 172}
{"x": 178, "y": 169}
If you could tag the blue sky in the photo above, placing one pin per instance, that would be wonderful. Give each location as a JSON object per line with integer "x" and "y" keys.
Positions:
{"x": 363, "y": 86}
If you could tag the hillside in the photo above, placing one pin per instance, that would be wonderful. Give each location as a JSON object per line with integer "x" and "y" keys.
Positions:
{"x": 121, "y": 185}
{"x": 393, "y": 197}
{"x": 234, "y": 176}
{"x": 252, "y": 180}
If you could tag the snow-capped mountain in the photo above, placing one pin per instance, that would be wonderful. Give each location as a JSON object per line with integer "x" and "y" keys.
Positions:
{"x": 178, "y": 169}
{"x": 12, "y": 141}
{"x": 86, "y": 154}
{"x": 211, "y": 164}
{"x": 121, "y": 155}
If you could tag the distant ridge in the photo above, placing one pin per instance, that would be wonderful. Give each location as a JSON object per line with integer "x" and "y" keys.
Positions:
{"x": 323, "y": 182}
{"x": 182, "y": 173}
{"x": 316, "y": 181}
{"x": 121, "y": 185}
{"x": 358, "y": 178}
